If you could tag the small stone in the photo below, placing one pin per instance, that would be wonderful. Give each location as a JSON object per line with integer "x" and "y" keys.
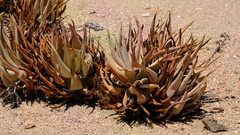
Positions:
{"x": 218, "y": 108}
{"x": 29, "y": 126}
{"x": 226, "y": 97}
{"x": 229, "y": 97}
{"x": 19, "y": 123}
{"x": 212, "y": 125}
{"x": 148, "y": 7}
{"x": 146, "y": 15}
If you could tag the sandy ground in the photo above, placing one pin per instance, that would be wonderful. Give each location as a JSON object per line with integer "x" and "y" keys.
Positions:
{"x": 222, "y": 97}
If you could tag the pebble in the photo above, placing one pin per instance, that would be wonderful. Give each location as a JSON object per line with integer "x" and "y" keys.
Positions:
{"x": 146, "y": 14}
{"x": 238, "y": 122}
{"x": 93, "y": 26}
{"x": 29, "y": 126}
{"x": 218, "y": 108}
{"x": 19, "y": 123}
{"x": 148, "y": 7}
{"x": 229, "y": 97}
{"x": 212, "y": 125}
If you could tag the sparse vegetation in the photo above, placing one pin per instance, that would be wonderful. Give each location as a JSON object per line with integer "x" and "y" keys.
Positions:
{"x": 159, "y": 76}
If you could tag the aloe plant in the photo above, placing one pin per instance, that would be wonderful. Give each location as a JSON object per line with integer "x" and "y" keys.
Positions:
{"x": 70, "y": 60}
{"x": 56, "y": 61}
{"x": 28, "y": 20}
{"x": 156, "y": 76}
{"x": 56, "y": 64}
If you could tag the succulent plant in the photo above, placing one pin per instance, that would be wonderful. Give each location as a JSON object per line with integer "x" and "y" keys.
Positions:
{"x": 158, "y": 76}
{"x": 38, "y": 11}
{"x": 54, "y": 60}
{"x": 68, "y": 61}
{"x": 57, "y": 64}
{"x": 34, "y": 15}
{"x": 27, "y": 20}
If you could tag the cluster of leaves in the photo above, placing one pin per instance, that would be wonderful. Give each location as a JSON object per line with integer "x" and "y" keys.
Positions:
{"x": 156, "y": 76}
{"x": 38, "y": 53}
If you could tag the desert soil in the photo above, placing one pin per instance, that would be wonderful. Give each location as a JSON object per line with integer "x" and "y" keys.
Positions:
{"x": 221, "y": 99}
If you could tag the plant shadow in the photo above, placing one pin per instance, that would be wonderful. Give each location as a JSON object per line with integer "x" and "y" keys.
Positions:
{"x": 197, "y": 114}
{"x": 142, "y": 120}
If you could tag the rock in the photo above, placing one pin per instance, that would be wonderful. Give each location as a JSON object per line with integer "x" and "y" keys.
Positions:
{"x": 148, "y": 7}
{"x": 212, "y": 125}
{"x": 238, "y": 122}
{"x": 29, "y": 126}
{"x": 229, "y": 97}
{"x": 19, "y": 123}
{"x": 220, "y": 109}
{"x": 146, "y": 14}
{"x": 93, "y": 26}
